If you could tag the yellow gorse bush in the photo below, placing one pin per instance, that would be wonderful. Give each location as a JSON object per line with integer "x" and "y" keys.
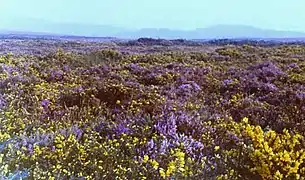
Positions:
{"x": 274, "y": 155}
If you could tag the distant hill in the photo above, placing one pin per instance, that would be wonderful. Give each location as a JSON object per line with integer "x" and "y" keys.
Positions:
{"x": 214, "y": 32}
{"x": 41, "y": 27}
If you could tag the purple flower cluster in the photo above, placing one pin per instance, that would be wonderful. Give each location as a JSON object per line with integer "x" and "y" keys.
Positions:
{"x": 266, "y": 72}
{"x": 45, "y": 104}
{"x": 56, "y": 75}
{"x": 2, "y": 102}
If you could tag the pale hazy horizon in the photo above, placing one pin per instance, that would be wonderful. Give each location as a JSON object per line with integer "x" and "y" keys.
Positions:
{"x": 184, "y": 15}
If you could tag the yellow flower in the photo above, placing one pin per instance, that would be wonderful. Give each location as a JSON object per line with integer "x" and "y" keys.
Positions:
{"x": 245, "y": 120}
{"x": 278, "y": 175}
{"x": 180, "y": 154}
{"x": 59, "y": 146}
{"x": 146, "y": 158}
{"x": 65, "y": 171}
{"x": 155, "y": 164}
{"x": 118, "y": 102}
{"x": 295, "y": 168}
{"x": 216, "y": 148}
{"x": 171, "y": 168}
{"x": 286, "y": 156}
{"x": 162, "y": 173}
{"x": 297, "y": 176}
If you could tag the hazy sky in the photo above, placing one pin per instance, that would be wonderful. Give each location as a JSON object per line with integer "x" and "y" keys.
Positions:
{"x": 176, "y": 14}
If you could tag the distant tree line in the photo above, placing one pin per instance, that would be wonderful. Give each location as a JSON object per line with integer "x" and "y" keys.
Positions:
{"x": 218, "y": 42}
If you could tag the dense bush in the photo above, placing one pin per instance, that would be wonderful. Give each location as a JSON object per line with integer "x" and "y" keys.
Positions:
{"x": 181, "y": 115}
{"x": 160, "y": 42}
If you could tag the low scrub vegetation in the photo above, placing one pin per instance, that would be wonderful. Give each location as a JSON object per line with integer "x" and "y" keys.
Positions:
{"x": 235, "y": 113}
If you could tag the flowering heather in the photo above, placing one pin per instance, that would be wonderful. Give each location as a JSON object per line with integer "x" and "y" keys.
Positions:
{"x": 235, "y": 113}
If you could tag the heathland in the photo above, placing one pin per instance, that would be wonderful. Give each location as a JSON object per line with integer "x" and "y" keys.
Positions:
{"x": 151, "y": 109}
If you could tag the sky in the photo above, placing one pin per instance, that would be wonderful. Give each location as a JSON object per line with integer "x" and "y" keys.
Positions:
{"x": 173, "y": 14}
